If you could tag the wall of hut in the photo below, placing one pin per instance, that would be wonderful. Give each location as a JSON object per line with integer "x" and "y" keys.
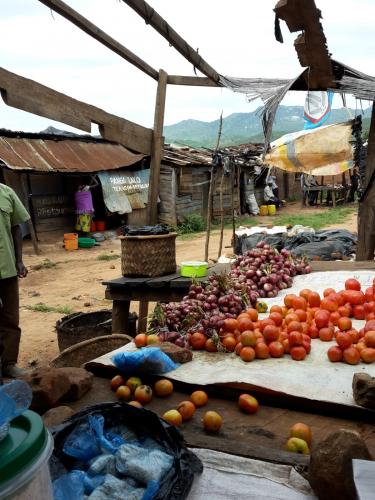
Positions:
{"x": 184, "y": 191}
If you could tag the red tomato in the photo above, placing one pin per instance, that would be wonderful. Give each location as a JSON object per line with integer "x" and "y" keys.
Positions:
{"x": 313, "y": 299}
{"x": 329, "y": 305}
{"x": 265, "y": 322}
{"x": 229, "y": 343}
{"x": 328, "y": 291}
{"x": 277, "y": 317}
{"x": 276, "y": 349}
{"x": 352, "y": 284}
{"x": 245, "y": 323}
{"x": 271, "y": 333}
{"x": 230, "y": 324}
{"x": 306, "y": 346}
{"x": 334, "y": 317}
{"x": 326, "y": 334}
{"x": 210, "y": 346}
{"x": 344, "y": 323}
{"x": 313, "y": 331}
{"x": 198, "y": 341}
{"x": 294, "y": 326}
{"x": 351, "y": 356}
{"x": 334, "y": 353}
{"x": 299, "y": 303}
{"x": 247, "y": 354}
{"x": 295, "y": 338}
{"x": 370, "y": 325}
{"x": 369, "y": 294}
{"x": 354, "y": 297}
{"x": 298, "y": 353}
{"x": 262, "y": 351}
{"x": 344, "y": 339}
{"x": 322, "y": 318}
{"x": 359, "y": 312}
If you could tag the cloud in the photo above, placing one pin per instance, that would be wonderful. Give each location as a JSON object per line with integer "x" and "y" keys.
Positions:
{"x": 236, "y": 38}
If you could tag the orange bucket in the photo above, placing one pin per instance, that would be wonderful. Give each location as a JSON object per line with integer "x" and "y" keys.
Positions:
{"x": 100, "y": 225}
{"x": 70, "y": 236}
{"x": 71, "y": 244}
{"x": 93, "y": 227}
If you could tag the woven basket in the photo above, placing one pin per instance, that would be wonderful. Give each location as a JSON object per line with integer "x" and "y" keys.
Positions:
{"x": 150, "y": 256}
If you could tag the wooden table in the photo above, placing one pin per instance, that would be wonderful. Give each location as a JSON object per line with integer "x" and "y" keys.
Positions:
{"x": 338, "y": 194}
{"x": 169, "y": 288}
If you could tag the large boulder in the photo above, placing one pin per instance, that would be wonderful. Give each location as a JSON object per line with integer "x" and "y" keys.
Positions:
{"x": 80, "y": 382}
{"x": 364, "y": 390}
{"x": 48, "y": 385}
{"x": 330, "y": 471}
{"x": 58, "y": 415}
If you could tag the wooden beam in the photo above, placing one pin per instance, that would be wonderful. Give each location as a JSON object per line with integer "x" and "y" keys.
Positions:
{"x": 91, "y": 29}
{"x": 193, "y": 81}
{"x": 161, "y": 26}
{"x": 26, "y": 193}
{"x": 157, "y": 149}
{"x": 31, "y": 96}
{"x": 366, "y": 209}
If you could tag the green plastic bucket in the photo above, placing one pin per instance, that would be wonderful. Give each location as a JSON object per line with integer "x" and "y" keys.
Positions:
{"x": 24, "y": 456}
{"x": 86, "y": 242}
{"x": 194, "y": 269}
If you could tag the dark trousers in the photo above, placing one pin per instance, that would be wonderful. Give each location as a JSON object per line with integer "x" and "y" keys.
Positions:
{"x": 10, "y": 332}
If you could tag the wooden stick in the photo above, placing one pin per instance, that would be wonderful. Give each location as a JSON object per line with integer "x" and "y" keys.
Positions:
{"x": 88, "y": 27}
{"x": 29, "y": 209}
{"x": 161, "y": 26}
{"x": 209, "y": 208}
{"x": 194, "y": 81}
{"x": 221, "y": 214}
{"x": 209, "y": 211}
{"x": 157, "y": 149}
{"x": 233, "y": 221}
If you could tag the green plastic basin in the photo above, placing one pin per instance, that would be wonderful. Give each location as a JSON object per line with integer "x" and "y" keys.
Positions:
{"x": 194, "y": 269}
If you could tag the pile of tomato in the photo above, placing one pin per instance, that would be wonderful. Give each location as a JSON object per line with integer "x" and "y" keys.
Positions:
{"x": 289, "y": 328}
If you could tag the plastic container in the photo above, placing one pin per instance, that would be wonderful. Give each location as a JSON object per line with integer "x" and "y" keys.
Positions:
{"x": 263, "y": 210}
{"x": 93, "y": 227}
{"x": 70, "y": 236}
{"x": 194, "y": 269}
{"x": 86, "y": 242}
{"x": 100, "y": 225}
{"x": 71, "y": 244}
{"x": 24, "y": 456}
{"x": 271, "y": 209}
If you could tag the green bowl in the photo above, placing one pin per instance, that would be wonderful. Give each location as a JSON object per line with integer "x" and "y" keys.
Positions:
{"x": 86, "y": 242}
{"x": 194, "y": 269}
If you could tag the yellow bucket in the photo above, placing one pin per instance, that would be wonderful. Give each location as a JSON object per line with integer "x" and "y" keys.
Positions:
{"x": 263, "y": 210}
{"x": 271, "y": 209}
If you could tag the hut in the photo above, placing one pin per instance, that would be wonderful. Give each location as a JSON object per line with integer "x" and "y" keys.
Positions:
{"x": 46, "y": 169}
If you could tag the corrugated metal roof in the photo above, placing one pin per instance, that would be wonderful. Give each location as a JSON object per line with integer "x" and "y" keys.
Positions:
{"x": 67, "y": 155}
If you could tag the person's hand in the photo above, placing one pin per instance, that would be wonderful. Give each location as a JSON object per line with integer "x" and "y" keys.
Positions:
{"x": 21, "y": 270}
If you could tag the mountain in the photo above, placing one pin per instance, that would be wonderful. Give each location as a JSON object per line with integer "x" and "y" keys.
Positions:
{"x": 239, "y": 128}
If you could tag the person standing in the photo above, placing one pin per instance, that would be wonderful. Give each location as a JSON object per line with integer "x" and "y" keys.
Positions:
{"x": 268, "y": 195}
{"x": 12, "y": 214}
{"x": 354, "y": 185}
{"x": 84, "y": 207}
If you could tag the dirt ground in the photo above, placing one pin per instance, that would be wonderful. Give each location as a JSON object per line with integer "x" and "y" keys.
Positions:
{"x": 75, "y": 283}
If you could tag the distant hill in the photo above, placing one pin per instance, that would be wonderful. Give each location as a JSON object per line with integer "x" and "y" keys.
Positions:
{"x": 239, "y": 128}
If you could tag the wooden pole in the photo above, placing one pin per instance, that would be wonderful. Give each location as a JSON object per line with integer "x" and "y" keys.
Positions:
{"x": 30, "y": 210}
{"x": 366, "y": 210}
{"x": 221, "y": 214}
{"x": 152, "y": 18}
{"x": 88, "y": 27}
{"x": 209, "y": 208}
{"x": 157, "y": 149}
{"x": 209, "y": 212}
{"x": 233, "y": 221}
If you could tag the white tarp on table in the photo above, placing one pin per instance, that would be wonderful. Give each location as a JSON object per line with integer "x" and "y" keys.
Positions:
{"x": 315, "y": 378}
{"x": 228, "y": 477}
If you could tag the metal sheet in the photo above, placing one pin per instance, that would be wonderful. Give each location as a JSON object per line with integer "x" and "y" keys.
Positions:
{"x": 64, "y": 155}
{"x": 124, "y": 191}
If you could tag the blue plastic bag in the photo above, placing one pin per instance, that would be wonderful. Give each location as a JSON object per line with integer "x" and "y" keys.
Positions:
{"x": 69, "y": 486}
{"x": 146, "y": 360}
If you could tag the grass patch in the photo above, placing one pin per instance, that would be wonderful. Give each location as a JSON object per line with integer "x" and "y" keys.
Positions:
{"x": 108, "y": 257}
{"x": 41, "y": 307}
{"x": 318, "y": 220}
{"x": 46, "y": 264}
{"x": 193, "y": 223}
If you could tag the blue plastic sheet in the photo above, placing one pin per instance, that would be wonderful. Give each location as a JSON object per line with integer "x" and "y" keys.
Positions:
{"x": 146, "y": 360}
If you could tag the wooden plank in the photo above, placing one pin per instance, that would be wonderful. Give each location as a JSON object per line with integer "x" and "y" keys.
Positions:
{"x": 88, "y": 27}
{"x": 194, "y": 81}
{"x": 142, "y": 316}
{"x": 33, "y": 97}
{"x": 26, "y": 194}
{"x": 120, "y": 316}
{"x": 342, "y": 265}
{"x": 145, "y": 294}
{"x": 157, "y": 148}
{"x": 161, "y": 26}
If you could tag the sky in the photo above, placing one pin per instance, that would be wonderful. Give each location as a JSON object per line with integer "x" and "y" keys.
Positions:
{"x": 236, "y": 38}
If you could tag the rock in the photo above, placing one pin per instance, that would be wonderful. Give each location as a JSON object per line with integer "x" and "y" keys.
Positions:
{"x": 56, "y": 416}
{"x": 87, "y": 304}
{"x": 176, "y": 353}
{"x": 364, "y": 390}
{"x": 112, "y": 266}
{"x": 80, "y": 381}
{"x": 330, "y": 471}
{"x": 33, "y": 361}
{"x": 49, "y": 385}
